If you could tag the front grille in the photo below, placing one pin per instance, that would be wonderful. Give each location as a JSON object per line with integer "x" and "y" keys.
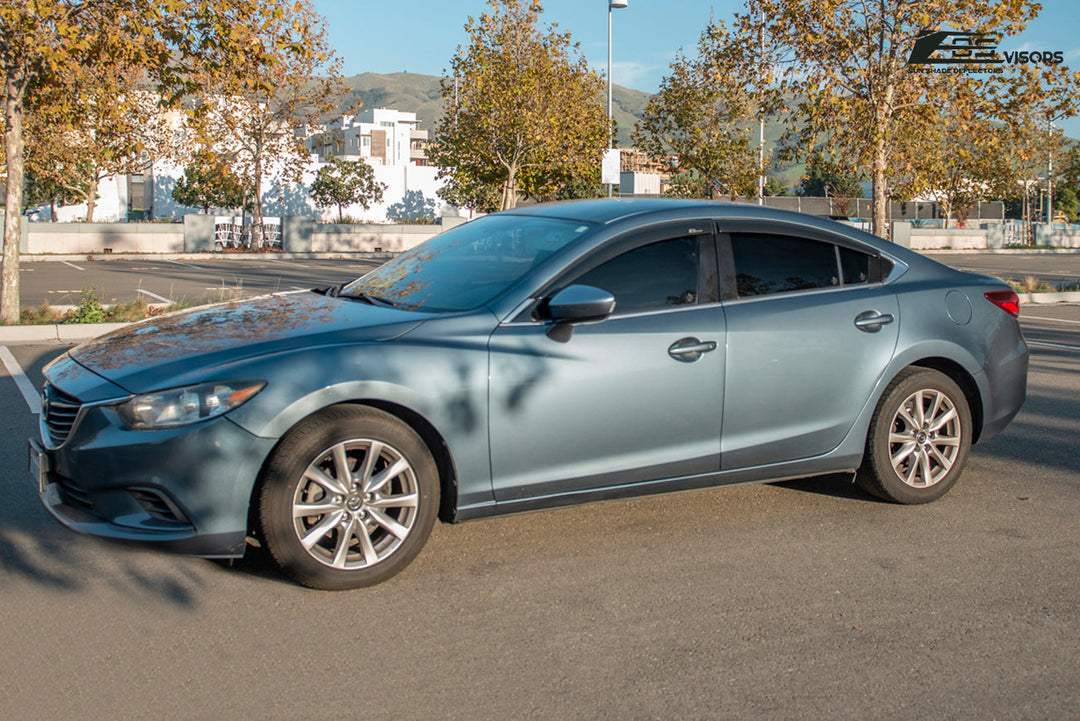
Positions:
{"x": 59, "y": 411}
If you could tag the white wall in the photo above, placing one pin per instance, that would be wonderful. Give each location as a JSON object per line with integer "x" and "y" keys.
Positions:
{"x": 111, "y": 206}
{"x": 954, "y": 238}
{"x": 281, "y": 199}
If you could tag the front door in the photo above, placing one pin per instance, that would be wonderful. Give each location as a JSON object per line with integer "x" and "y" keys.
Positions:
{"x": 620, "y": 401}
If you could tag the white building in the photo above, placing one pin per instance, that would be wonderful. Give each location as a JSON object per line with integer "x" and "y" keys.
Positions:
{"x": 387, "y": 139}
{"x": 379, "y": 136}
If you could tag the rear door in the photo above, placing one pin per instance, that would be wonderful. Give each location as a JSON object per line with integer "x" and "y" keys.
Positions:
{"x": 810, "y": 330}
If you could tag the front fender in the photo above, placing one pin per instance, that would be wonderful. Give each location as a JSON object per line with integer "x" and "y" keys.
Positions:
{"x": 446, "y": 386}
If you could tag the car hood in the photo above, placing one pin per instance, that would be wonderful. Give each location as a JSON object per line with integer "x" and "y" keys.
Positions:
{"x": 193, "y": 345}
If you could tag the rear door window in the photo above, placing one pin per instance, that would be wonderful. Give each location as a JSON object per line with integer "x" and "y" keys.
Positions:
{"x": 768, "y": 263}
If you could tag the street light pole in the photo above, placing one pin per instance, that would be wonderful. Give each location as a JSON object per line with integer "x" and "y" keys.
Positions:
{"x": 611, "y": 139}
{"x": 1050, "y": 172}
{"x": 761, "y": 118}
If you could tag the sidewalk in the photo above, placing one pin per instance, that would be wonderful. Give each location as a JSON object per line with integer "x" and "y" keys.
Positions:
{"x": 60, "y": 334}
{"x": 208, "y": 256}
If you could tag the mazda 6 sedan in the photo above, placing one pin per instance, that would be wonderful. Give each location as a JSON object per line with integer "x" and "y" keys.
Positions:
{"x": 534, "y": 358}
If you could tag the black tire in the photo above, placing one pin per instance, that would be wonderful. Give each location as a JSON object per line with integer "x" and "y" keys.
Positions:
{"x": 361, "y": 531}
{"x": 919, "y": 438}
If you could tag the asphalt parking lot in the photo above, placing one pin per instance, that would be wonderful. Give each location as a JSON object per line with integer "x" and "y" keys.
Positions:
{"x": 1054, "y": 268}
{"x": 61, "y": 283}
{"x": 795, "y": 600}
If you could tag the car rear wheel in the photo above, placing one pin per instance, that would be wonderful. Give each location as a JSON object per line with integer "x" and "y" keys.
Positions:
{"x": 348, "y": 499}
{"x": 919, "y": 438}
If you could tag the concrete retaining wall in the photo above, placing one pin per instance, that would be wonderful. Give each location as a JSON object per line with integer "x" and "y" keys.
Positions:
{"x": 989, "y": 236}
{"x": 23, "y": 229}
{"x": 954, "y": 238}
{"x": 196, "y": 233}
{"x": 905, "y": 235}
{"x": 1057, "y": 237}
{"x": 369, "y": 238}
{"x": 105, "y": 238}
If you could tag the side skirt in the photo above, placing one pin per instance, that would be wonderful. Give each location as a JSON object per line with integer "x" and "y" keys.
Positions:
{"x": 759, "y": 474}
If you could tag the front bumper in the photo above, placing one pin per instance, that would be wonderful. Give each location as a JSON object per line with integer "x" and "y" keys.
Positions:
{"x": 186, "y": 490}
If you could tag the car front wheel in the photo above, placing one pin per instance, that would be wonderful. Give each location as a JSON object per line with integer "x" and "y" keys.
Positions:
{"x": 348, "y": 498}
{"x": 919, "y": 438}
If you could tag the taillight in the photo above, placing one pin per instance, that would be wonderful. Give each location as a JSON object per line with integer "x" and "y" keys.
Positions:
{"x": 1007, "y": 300}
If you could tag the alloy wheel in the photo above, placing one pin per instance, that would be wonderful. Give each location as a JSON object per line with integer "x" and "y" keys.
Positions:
{"x": 355, "y": 504}
{"x": 924, "y": 439}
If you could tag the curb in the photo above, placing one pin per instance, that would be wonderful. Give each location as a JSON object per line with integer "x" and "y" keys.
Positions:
{"x": 1049, "y": 298}
{"x": 322, "y": 255}
{"x": 997, "y": 251}
{"x": 59, "y": 334}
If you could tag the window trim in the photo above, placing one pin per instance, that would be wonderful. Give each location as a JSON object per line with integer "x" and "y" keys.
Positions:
{"x": 729, "y": 287}
{"x": 703, "y": 229}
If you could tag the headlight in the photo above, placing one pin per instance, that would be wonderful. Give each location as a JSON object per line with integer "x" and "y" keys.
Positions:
{"x": 183, "y": 406}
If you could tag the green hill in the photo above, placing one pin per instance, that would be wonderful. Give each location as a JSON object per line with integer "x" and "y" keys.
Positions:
{"x": 408, "y": 92}
{"x": 419, "y": 94}
{"x": 414, "y": 93}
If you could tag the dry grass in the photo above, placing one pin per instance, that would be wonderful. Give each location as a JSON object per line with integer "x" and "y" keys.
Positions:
{"x": 1031, "y": 284}
{"x": 43, "y": 314}
{"x": 129, "y": 312}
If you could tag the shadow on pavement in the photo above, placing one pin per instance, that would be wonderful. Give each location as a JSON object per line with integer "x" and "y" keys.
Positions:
{"x": 35, "y": 549}
{"x": 835, "y": 485}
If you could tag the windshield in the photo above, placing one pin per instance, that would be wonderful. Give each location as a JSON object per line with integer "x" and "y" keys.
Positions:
{"x": 468, "y": 266}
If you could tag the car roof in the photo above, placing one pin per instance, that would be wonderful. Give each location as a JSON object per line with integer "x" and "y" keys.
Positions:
{"x": 610, "y": 211}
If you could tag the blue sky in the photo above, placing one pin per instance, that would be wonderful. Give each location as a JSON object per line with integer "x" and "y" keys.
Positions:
{"x": 421, "y": 36}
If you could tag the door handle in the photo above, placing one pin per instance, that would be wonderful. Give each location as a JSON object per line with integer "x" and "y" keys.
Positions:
{"x": 690, "y": 349}
{"x": 871, "y": 321}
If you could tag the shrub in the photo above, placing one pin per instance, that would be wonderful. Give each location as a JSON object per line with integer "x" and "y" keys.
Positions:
{"x": 89, "y": 309}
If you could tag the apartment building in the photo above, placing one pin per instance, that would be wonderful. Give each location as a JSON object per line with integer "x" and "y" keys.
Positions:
{"x": 380, "y": 136}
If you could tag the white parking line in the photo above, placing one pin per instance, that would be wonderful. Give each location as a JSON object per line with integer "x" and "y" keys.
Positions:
{"x": 289, "y": 262}
{"x": 72, "y": 265}
{"x": 21, "y": 381}
{"x": 155, "y": 296}
{"x": 187, "y": 265}
{"x": 1052, "y": 345}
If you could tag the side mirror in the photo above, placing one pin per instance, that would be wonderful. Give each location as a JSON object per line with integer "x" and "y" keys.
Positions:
{"x": 580, "y": 303}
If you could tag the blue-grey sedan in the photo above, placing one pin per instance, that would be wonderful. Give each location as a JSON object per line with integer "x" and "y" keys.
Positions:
{"x": 540, "y": 357}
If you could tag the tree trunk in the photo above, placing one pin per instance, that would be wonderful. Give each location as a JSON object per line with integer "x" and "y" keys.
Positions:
{"x": 14, "y": 87}
{"x": 91, "y": 198}
{"x": 256, "y": 208}
{"x": 879, "y": 224}
{"x": 509, "y": 199}
{"x": 882, "y": 118}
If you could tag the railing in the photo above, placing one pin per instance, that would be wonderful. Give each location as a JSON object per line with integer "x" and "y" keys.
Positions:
{"x": 1018, "y": 232}
{"x": 232, "y": 232}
